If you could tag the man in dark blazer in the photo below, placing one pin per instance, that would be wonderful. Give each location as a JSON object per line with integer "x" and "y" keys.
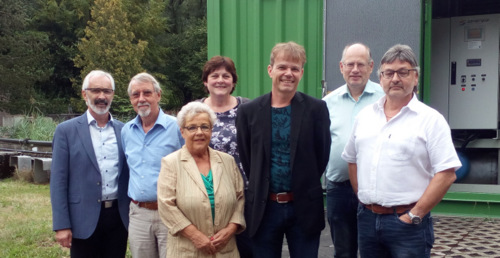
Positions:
{"x": 284, "y": 144}
{"x": 89, "y": 177}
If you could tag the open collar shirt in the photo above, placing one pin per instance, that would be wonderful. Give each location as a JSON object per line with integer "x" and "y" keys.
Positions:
{"x": 144, "y": 152}
{"x": 397, "y": 159}
{"x": 343, "y": 110}
{"x": 106, "y": 152}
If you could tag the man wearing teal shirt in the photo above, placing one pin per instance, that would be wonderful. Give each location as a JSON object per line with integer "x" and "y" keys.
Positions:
{"x": 344, "y": 104}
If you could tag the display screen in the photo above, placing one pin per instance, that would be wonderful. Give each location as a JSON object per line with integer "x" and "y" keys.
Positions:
{"x": 474, "y": 62}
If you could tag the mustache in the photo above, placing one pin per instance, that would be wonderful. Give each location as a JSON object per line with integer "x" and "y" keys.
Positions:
{"x": 101, "y": 101}
{"x": 143, "y": 104}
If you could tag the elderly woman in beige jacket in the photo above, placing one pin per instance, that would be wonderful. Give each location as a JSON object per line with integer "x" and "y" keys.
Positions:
{"x": 200, "y": 192}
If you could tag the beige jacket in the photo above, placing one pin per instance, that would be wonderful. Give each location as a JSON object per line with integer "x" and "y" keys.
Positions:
{"x": 183, "y": 200}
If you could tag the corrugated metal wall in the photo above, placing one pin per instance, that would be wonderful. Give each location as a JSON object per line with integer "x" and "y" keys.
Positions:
{"x": 379, "y": 24}
{"x": 246, "y": 31}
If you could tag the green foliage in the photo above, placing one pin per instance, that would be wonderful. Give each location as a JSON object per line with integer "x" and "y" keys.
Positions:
{"x": 48, "y": 46}
{"x": 64, "y": 21}
{"x": 188, "y": 44}
{"x": 110, "y": 45}
{"x": 23, "y": 57}
{"x": 35, "y": 127}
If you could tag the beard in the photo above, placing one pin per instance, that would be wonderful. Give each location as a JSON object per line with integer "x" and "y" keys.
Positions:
{"x": 98, "y": 110}
{"x": 143, "y": 113}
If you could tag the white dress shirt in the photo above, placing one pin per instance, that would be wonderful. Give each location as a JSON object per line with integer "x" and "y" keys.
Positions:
{"x": 397, "y": 159}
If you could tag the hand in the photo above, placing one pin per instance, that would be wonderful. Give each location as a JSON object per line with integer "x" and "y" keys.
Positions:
{"x": 203, "y": 243}
{"x": 221, "y": 238}
{"x": 199, "y": 240}
{"x": 63, "y": 237}
{"x": 405, "y": 218}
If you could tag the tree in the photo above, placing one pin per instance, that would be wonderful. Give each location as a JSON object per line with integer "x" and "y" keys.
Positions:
{"x": 64, "y": 22}
{"x": 23, "y": 57}
{"x": 110, "y": 45}
{"x": 188, "y": 44}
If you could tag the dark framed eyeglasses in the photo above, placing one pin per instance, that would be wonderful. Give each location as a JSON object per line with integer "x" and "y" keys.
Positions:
{"x": 402, "y": 73}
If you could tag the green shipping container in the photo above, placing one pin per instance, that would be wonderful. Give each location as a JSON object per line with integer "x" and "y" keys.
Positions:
{"x": 247, "y": 30}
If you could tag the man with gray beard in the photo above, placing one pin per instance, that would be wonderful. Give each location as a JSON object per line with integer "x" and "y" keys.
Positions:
{"x": 146, "y": 139}
{"x": 89, "y": 177}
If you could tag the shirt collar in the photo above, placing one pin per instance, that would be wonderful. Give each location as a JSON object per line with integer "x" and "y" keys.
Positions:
{"x": 91, "y": 119}
{"x": 369, "y": 88}
{"x": 161, "y": 120}
{"x": 413, "y": 105}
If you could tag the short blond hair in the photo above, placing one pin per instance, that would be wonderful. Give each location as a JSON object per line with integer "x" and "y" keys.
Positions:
{"x": 290, "y": 50}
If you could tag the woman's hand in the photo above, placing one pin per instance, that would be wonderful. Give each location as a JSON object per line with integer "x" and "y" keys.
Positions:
{"x": 221, "y": 238}
{"x": 199, "y": 240}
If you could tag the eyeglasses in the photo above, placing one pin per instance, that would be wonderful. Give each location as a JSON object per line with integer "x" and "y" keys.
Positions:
{"x": 351, "y": 66}
{"x": 99, "y": 90}
{"x": 402, "y": 73}
{"x": 194, "y": 128}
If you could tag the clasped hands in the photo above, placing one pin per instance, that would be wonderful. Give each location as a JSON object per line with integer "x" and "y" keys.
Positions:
{"x": 210, "y": 245}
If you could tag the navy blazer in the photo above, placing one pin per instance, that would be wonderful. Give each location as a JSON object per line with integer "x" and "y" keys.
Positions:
{"x": 75, "y": 179}
{"x": 309, "y": 153}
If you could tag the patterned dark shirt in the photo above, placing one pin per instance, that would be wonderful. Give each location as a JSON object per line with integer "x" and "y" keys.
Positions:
{"x": 281, "y": 179}
{"x": 224, "y": 136}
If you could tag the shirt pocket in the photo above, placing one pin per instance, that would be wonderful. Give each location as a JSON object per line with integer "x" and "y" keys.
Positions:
{"x": 401, "y": 146}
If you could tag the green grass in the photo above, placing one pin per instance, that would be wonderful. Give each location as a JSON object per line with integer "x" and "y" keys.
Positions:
{"x": 26, "y": 221}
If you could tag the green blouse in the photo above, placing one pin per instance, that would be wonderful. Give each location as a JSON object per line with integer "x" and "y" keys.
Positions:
{"x": 209, "y": 185}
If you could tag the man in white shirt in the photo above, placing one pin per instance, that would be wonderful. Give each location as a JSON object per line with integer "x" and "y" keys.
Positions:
{"x": 401, "y": 163}
{"x": 344, "y": 104}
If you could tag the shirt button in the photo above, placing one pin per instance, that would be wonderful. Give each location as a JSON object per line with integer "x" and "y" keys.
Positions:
{"x": 98, "y": 183}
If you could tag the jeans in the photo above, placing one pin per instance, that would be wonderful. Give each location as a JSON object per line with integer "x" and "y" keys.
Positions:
{"x": 385, "y": 235}
{"x": 341, "y": 205}
{"x": 279, "y": 220}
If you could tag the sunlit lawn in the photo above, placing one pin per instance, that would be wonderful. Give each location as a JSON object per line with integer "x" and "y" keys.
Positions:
{"x": 26, "y": 221}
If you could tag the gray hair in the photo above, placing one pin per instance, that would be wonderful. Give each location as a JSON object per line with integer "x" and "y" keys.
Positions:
{"x": 192, "y": 109}
{"x": 94, "y": 73}
{"x": 370, "y": 59}
{"x": 146, "y": 78}
{"x": 399, "y": 52}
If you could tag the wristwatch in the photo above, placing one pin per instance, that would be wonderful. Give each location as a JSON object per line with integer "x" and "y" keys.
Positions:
{"x": 414, "y": 218}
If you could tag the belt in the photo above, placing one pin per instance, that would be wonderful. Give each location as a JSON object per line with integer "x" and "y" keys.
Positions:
{"x": 375, "y": 208}
{"x": 344, "y": 183}
{"x": 109, "y": 204}
{"x": 147, "y": 205}
{"x": 283, "y": 197}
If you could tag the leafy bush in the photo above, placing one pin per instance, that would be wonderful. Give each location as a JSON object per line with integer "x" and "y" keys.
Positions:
{"x": 35, "y": 127}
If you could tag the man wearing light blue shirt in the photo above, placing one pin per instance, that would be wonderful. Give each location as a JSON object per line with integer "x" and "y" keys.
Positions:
{"x": 344, "y": 104}
{"x": 146, "y": 139}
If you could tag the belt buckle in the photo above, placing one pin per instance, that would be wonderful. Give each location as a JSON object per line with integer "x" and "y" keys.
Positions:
{"x": 108, "y": 204}
{"x": 278, "y": 198}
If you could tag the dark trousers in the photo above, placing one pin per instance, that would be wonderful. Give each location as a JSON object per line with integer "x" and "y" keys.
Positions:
{"x": 279, "y": 220}
{"x": 341, "y": 206}
{"x": 108, "y": 240}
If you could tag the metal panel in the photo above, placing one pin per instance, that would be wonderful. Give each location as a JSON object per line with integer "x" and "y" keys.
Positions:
{"x": 247, "y": 30}
{"x": 378, "y": 24}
